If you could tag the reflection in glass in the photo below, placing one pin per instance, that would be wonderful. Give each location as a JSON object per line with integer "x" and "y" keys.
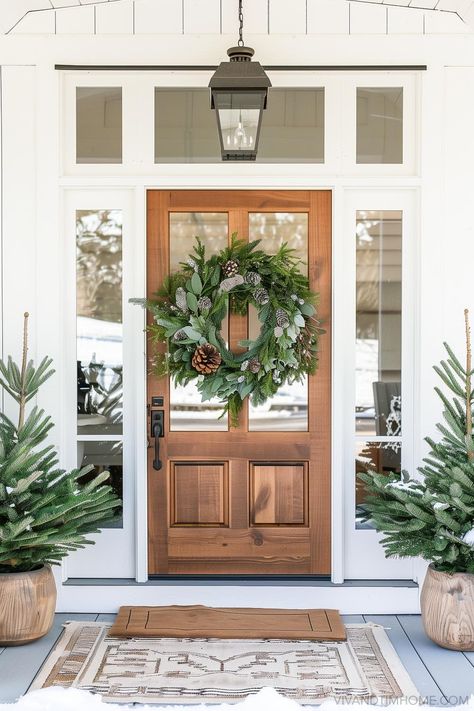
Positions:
{"x": 99, "y": 321}
{"x": 239, "y": 127}
{"x": 104, "y": 456}
{"x": 187, "y": 412}
{"x": 287, "y": 411}
{"x": 185, "y": 127}
{"x": 381, "y": 457}
{"x": 292, "y": 127}
{"x": 378, "y": 323}
{"x": 98, "y": 124}
{"x": 380, "y": 125}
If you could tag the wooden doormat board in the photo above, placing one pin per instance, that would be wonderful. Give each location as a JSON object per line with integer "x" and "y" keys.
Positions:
{"x": 197, "y": 621}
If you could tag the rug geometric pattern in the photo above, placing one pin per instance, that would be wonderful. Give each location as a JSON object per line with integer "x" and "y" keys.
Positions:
{"x": 186, "y": 671}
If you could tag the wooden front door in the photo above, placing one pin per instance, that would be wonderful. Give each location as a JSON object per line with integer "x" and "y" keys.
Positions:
{"x": 256, "y": 499}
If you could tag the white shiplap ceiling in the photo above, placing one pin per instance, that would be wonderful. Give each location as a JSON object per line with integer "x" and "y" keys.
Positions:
{"x": 12, "y": 11}
{"x": 460, "y": 7}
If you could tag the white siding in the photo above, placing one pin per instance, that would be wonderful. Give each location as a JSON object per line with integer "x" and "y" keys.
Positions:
{"x": 75, "y": 21}
{"x": 19, "y": 210}
{"x": 402, "y": 22}
{"x": 256, "y": 17}
{"x": 457, "y": 217}
{"x": 203, "y": 17}
{"x": 328, "y": 17}
{"x": 368, "y": 19}
{"x": 160, "y": 16}
{"x": 285, "y": 20}
{"x": 114, "y": 18}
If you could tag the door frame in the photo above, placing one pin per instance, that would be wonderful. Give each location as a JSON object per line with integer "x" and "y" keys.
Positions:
{"x": 320, "y": 237}
{"x": 347, "y": 561}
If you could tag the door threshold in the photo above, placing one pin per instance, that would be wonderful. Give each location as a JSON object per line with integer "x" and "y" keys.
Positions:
{"x": 259, "y": 581}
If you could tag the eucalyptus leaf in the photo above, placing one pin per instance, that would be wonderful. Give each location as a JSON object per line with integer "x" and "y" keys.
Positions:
{"x": 192, "y": 334}
{"x": 196, "y": 283}
{"x": 192, "y": 302}
{"x": 307, "y": 309}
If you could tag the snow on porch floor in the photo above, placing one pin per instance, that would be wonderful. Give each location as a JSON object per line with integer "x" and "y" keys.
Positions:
{"x": 441, "y": 676}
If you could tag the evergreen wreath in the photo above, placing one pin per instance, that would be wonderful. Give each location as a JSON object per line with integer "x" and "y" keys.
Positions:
{"x": 189, "y": 309}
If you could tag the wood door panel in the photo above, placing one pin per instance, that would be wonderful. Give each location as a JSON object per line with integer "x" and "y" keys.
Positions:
{"x": 249, "y": 200}
{"x": 278, "y": 494}
{"x": 240, "y": 566}
{"x": 230, "y": 502}
{"x": 262, "y": 448}
{"x": 199, "y": 494}
{"x": 245, "y": 543}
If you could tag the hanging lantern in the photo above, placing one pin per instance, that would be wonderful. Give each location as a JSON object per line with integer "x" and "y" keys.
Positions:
{"x": 239, "y": 90}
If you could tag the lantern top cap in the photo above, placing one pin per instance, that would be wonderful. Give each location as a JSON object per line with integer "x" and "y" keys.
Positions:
{"x": 240, "y": 53}
{"x": 240, "y": 73}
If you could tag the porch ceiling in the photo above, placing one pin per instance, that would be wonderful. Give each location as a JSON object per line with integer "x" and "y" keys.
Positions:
{"x": 13, "y": 11}
{"x": 459, "y": 7}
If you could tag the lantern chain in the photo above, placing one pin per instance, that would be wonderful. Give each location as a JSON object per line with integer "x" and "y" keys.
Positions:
{"x": 241, "y": 24}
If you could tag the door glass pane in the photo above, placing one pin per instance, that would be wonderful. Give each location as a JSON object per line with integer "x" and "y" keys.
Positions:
{"x": 104, "y": 456}
{"x": 187, "y": 412}
{"x": 292, "y": 127}
{"x": 99, "y": 321}
{"x": 378, "y": 323}
{"x": 287, "y": 411}
{"x": 381, "y": 457}
{"x": 380, "y": 125}
{"x": 98, "y": 124}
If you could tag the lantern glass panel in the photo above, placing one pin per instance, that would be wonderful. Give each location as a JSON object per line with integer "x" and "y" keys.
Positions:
{"x": 239, "y": 128}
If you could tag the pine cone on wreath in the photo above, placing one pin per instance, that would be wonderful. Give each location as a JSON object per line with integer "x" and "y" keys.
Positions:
{"x": 230, "y": 268}
{"x": 206, "y": 359}
{"x": 253, "y": 278}
{"x": 261, "y": 296}
{"x": 282, "y": 318}
{"x": 204, "y": 303}
{"x": 180, "y": 335}
{"x": 254, "y": 365}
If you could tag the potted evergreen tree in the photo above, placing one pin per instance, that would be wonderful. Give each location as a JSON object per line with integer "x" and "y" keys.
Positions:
{"x": 45, "y": 512}
{"x": 432, "y": 516}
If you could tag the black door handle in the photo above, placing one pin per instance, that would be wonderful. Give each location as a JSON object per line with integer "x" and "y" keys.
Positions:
{"x": 157, "y": 433}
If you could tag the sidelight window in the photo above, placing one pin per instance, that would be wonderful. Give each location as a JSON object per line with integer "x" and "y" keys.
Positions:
{"x": 378, "y": 345}
{"x": 99, "y": 342}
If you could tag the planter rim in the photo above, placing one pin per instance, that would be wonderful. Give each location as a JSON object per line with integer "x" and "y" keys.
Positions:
{"x": 433, "y": 569}
{"x": 36, "y": 571}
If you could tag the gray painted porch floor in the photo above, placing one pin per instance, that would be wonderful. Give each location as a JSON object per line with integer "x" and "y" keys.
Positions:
{"x": 441, "y": 676}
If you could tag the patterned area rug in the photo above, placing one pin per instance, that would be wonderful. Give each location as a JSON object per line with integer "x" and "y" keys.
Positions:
{"x": 190, "y": 671}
